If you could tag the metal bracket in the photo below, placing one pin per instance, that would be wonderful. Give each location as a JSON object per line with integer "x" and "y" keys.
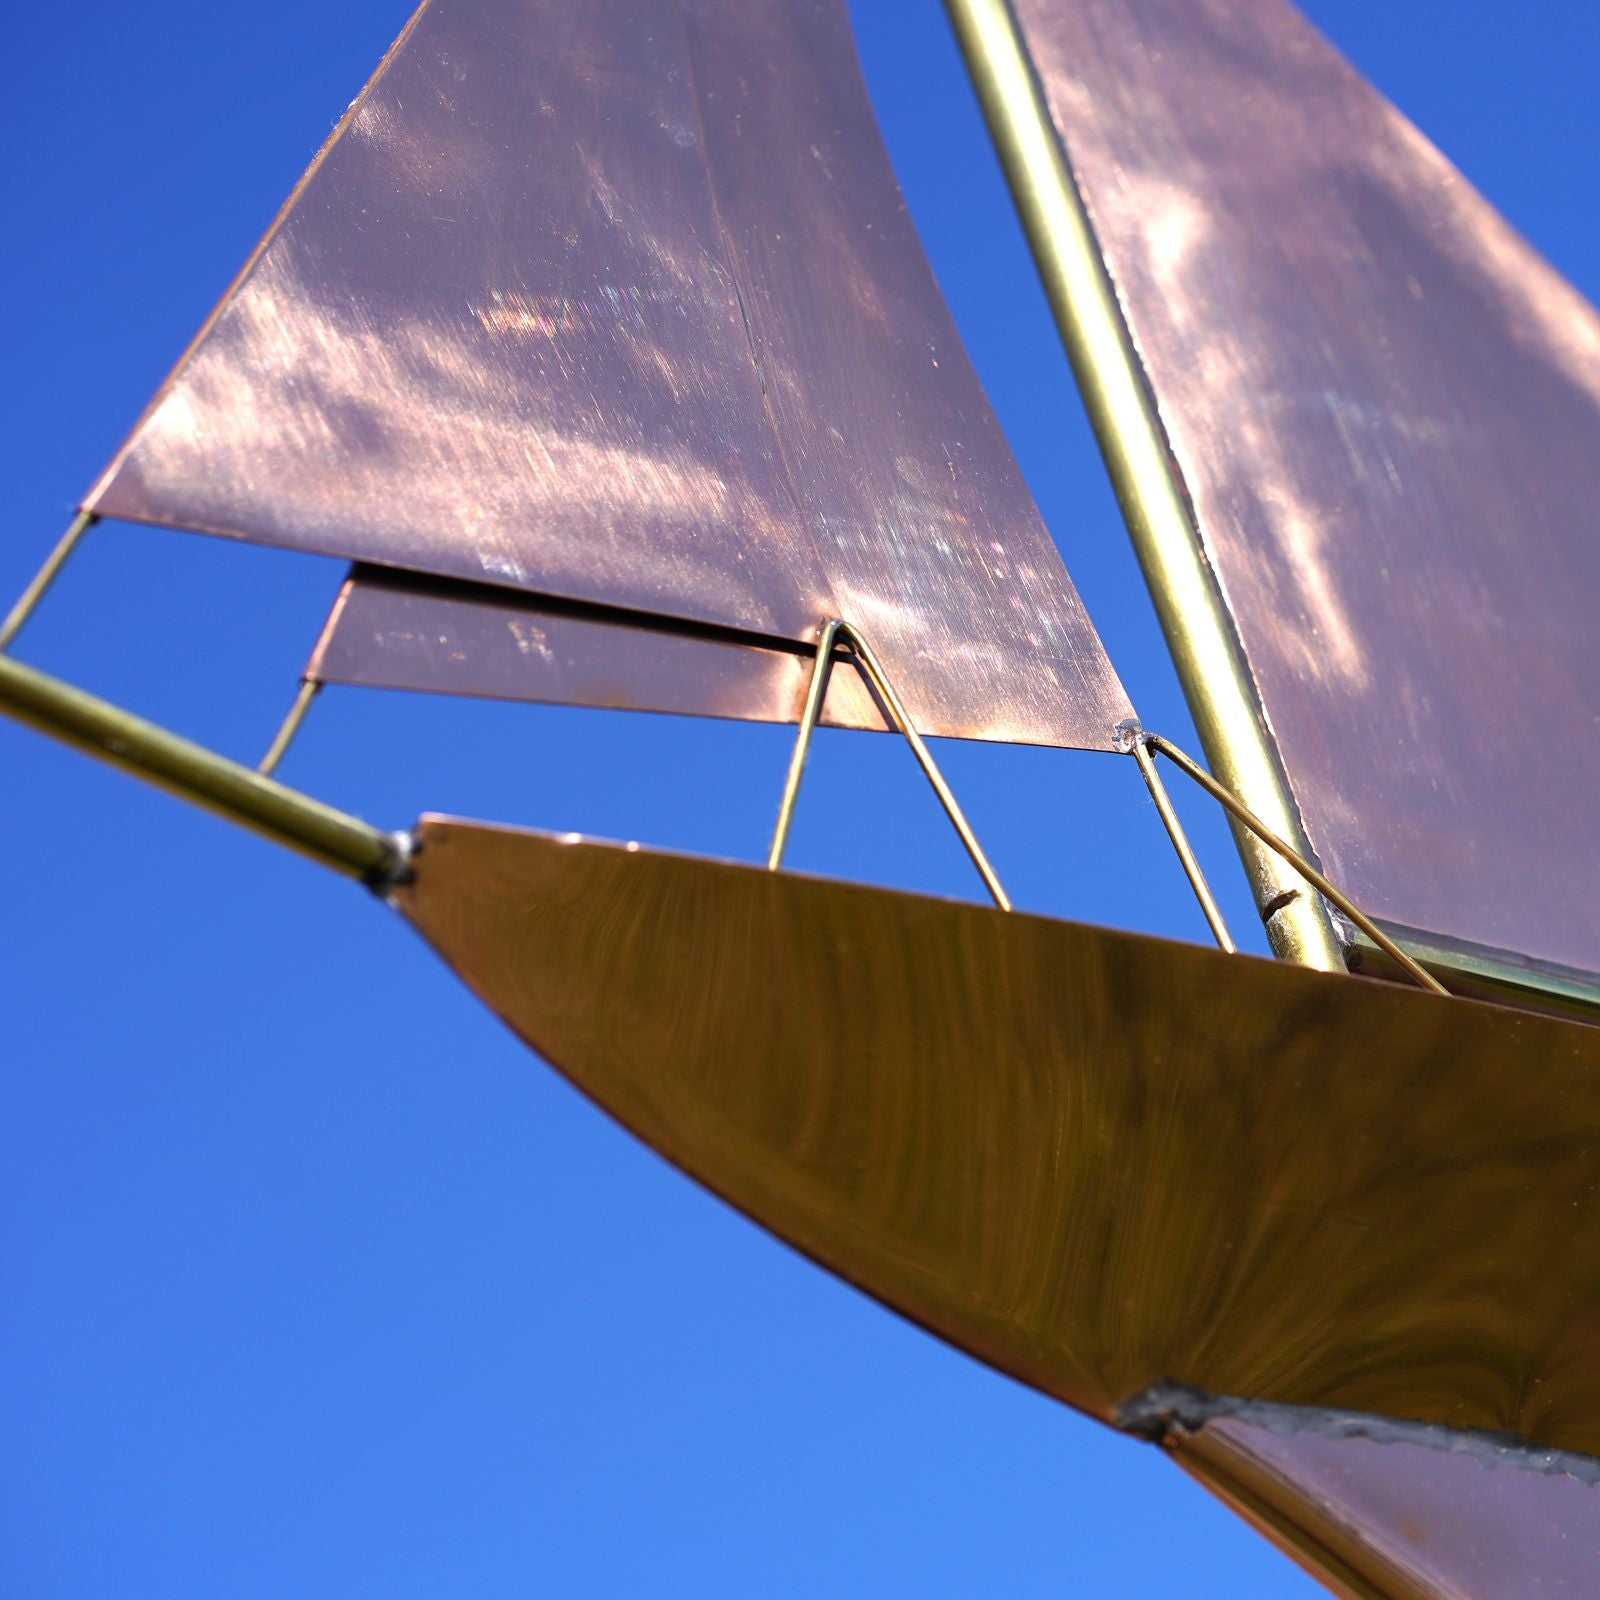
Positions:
{"x": 1231, "y": 803}
{"x": 828, "y": 637}
{"x": 1131, "y": 737}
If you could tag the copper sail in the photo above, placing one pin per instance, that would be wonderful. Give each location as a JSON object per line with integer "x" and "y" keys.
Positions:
{"x": 392, "y": 630}
{"x": 1385, "y": 411}
{"x": 1373, "y": 1507}
{"x": 620, "y": 303}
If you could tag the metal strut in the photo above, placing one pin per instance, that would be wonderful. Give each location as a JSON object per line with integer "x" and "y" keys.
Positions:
{"x": 30, "y": 597}
{"x": 289, "y": 727}
{"x": 1132, "y": 737}
{"x": 333, "y": 837}
{"x": 830, "y": 635}
{"x": 1237, "y": 808}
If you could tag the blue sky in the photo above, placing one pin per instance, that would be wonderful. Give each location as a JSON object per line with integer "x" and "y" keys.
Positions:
{"x": 315, "y": 1282}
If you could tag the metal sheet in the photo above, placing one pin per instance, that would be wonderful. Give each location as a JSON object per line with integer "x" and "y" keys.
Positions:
{"x": 619, "y": 302}
{"x": 390, "y": 630}
{"x": 1090, "y": 1158}
{"x": 1406, "y": 1520}
{"x": 1385, "y": 408}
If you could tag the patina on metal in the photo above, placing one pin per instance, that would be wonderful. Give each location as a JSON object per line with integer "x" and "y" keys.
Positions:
{"x": 1092, "y": 1159}
{"x": 1484, "y": 974}
{"x": 1382, "y": 410}
{"x": 620, "y": 303}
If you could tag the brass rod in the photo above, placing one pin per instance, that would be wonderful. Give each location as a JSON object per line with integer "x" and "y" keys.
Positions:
{"x": 1199, "y": 630}
{"x": 289, "y": 727}
{"x": 816, "y": 693}
{"x": 1239, "y": 809}
{"x": 930, "y": 769}
{"x": 336, "y": 839}
{"x": 28, "y": 601}
{"x": 1180, "y": 843}
{"x": 1483, "y": 974}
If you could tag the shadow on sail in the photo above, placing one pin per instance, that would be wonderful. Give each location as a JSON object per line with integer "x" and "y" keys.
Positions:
{"x": 621, "y": 304}
{"x": 1382, "y": 408}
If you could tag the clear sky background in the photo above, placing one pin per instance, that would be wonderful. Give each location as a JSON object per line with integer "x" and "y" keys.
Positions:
{"x": 315, "y": 1282}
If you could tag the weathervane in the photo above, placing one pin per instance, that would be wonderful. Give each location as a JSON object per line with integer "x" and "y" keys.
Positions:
{"x": 634, "y": 389}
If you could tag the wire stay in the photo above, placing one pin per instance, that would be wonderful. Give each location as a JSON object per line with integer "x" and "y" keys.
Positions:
{"x": 831, "y": 634}
{"x": 1237, "y": 808}
{"x": 28, "y": 601}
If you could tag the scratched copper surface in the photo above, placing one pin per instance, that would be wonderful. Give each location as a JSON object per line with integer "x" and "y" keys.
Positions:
{"x": 392, "y": 630}
{"x": 1090, "y": 1158}
{"x": 1386, "y": 410}
{"x": 620, "y": 302}
{"x": 1405, "y": 1520}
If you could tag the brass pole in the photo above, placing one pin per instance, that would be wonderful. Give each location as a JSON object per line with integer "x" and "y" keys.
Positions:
{"x": 1237, "y": 808}
{"x": 1199, "y": 631}
{"x": 336, "y": 839}
{"x": 289, "y": 727}
{"x": 816, "y": 693}
{"x": 1180, "y": 843}
{"x": 44, "y": 577}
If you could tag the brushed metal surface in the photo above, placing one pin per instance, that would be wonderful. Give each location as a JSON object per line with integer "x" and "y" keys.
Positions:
{"x": 1385, "y": 408}
{"x": 620, "y": 302}
{"x": 392, "y": 630}
{"x": 1092, "y": 1159}
{"x": 1404, "y": 1520}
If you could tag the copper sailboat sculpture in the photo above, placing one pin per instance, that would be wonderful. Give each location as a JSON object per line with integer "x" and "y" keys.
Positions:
{"x": 599, "y": 340}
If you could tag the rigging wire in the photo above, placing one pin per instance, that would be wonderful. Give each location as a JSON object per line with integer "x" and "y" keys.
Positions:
{"x": 830, "y": 634}
{"x": 1237, "y": 808}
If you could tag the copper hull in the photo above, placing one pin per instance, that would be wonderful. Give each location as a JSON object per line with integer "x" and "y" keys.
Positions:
{"x": 1093, "y": 1159}
{"x": 1101, "y": 1162}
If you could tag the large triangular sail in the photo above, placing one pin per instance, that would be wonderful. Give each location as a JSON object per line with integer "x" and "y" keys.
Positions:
{"x": 1384, "y": 412}
{"x": 620, "y": 303}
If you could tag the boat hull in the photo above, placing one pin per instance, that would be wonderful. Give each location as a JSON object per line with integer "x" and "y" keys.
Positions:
{"x": 1093, "y": 1159}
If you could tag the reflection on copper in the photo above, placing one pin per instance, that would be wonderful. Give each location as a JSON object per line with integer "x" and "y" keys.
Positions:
{"x": 620, "y": 303}
{"x": 1437, "y": 1520}
{"x": 390, "y": 630}
{"x": 1092, "y": 1159}
{"x": 1386, "y": 411}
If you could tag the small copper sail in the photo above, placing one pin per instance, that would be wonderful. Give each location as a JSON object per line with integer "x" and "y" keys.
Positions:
{"x": 1384, "y": 409}
{"x": 393, "y": 630}
{"x": 1092, "y": 1159}
{"x": 619, "y": 303}
{"x": 1378, "y": 1507}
